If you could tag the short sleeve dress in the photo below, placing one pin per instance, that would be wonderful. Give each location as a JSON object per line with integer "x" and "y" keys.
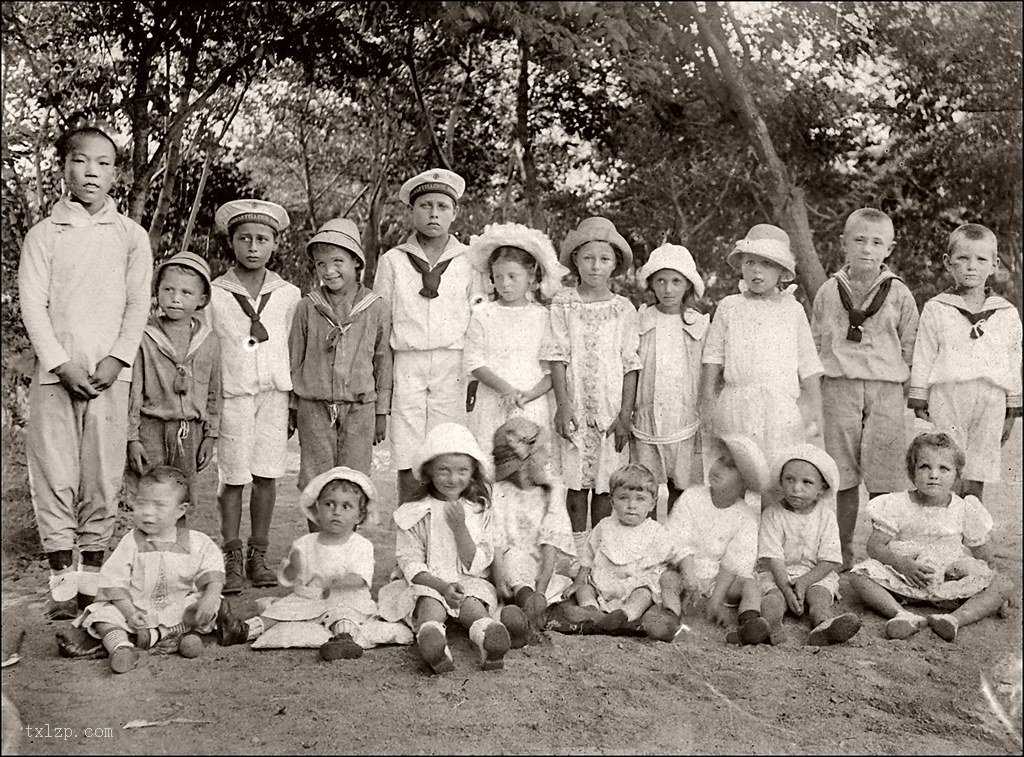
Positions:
{"x": 507, "y": 340}
{"x": 801, "y": 540}
{"x": 626, "y": 558}
{"x": 598, "y": 342}
{"x": 940, "y": 537}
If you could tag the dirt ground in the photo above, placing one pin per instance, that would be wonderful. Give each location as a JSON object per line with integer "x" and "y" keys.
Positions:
{"x": 575, "y": 694}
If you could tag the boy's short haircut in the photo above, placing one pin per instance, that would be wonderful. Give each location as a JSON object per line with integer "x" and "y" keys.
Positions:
{"x": 636, "y": 477}
{"x": 168, "y": 474}
{"x": 66, "y": 141}
{"x": 970, "y": 231}
{"x": 352, "y": 488}
{"x": 936, "y": 440}
{"x": 181, "y": 268}
{"x": 871, "y": 215}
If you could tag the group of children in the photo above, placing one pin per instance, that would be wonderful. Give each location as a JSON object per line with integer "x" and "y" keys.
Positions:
{"x": 484, "y": 359}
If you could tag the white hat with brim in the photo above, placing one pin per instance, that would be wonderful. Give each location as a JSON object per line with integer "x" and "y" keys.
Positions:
{"x": 188, "y": 260}
{"x": 675, "y": 257}
{"x": 449, "y": 439}
{"x": 309, "y": 495}
{"x": 251, "y": 211}
{"x": 532, "y": 241}
{"x": 816, "y": 456}
{"x": 435, "y": 180}
{"x": 749, "y": 461}
{"x": 768, "y": 242}
{"x": 597, "y": 229}
{"x": 340, "y": 232}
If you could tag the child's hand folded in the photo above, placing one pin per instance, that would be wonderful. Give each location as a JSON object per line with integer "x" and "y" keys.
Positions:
{"x": 454, "y": 594}
{"x": 206, "y": 609}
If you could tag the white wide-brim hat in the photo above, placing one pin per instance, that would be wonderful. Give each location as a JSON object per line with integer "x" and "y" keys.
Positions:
{"x": 749, "y": 461}
{"x": 532, "y": 241}
{"x": 675, "y": 257}
{"x": 309, "y": 495}
{"x": 449, "y": 439}
{"x": 816, "y": 456}
{"x": 768, "y": 242}
{"x": 597, "y": 229}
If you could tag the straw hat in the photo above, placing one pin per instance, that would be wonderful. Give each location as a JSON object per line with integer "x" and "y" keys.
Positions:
{"x": 188, "y": 260}
{"x": 674, "y": 257}
{"x": 597, "y": 229}
{"x": 449, "y": 439}
{"x": 532, "y": 241}
{"x": 341, "y": 232}
{"x": 749, "y": 461}
{"x": 768, "y": 242}
{"x": 308, "y": 496}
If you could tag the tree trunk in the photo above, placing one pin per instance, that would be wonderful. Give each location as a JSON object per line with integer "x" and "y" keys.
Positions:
{"x": 787, "y": 199}
{"x": 530, "y": 190}
{"x": 166, "y": 197}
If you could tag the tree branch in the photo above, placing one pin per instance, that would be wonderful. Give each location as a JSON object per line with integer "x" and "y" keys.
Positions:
{"x": 410, "y": 62}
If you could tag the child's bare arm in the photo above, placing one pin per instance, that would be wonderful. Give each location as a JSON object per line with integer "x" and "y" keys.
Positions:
{"x": 710, "y": 380}
{"x": 579, "y": 582}
{"x": 810, "y": 407}
{"x": 453, "y": 593}
{"x": 911, "y": 569}
{"x": 548, "y": 557}
{"x": 455, "y": 516}
{"x": 621, "y": 428}
{"x": 136, "y": 618}
{"x": 984, "y": 552}
{"x": 716, "y": 603}
{"x": 209, "y": 602}
{"x": 489, "y": 378}
{"x": 539, "y": 389}
{"x": 821, "y": 569}
{"x": 347, "y": 581}
{"x": 565, "y": 415}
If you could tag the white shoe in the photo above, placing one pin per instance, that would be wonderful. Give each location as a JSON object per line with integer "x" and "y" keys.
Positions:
{"x": 904, "y": 625}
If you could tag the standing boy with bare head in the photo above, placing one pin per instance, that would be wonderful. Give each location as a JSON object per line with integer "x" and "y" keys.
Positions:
{"x": 863, "y": 322}
{"x": 83, "y": 283}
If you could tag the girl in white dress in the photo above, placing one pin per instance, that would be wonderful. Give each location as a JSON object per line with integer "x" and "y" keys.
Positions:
{"x": 329, "y": 572}
{"x": 930, "y": 546}
{"x": 672, "y": 336}
{"x": 502, "y": 346}
{"x": 532, "y": 526}
{"x": 444, "y": 548}
{"x": 592, "y": 346}
{"x": 760, "y": 343}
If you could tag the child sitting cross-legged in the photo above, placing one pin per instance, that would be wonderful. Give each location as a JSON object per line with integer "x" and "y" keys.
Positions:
{"x": 799, "y": 539}
{"x": 715, "y": 528}
{"x": 622, "y": 560}
{"x": 930, "y": 546}
{"x": 161, "y": 582}
{"x": 329, "y": 572}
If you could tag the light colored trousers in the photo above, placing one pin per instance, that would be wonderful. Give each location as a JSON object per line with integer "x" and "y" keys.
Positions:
{"x": 76, "y": 454}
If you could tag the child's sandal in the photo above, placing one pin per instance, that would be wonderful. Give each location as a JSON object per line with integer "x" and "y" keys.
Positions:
{"x": 834, "y": 630}
{"x": 945, "y": 626}
{"x": 433, "y": 646}
{"x": 495, "y": 644}
{"x": 517, "y": 624}
{"x": 125, "y": 658}
{"x": 904, "y": 625}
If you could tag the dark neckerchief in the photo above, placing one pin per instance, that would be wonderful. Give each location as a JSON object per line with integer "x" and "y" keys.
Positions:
{"x": 857, "y": 317}
{"x": 431, "y": 276}
{"x": 257, "y": 330}
{"x": 977, "y": 320}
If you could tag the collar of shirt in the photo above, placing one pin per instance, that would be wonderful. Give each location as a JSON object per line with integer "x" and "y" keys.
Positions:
{"x": 696, "y": 328}
{"x": 452, "y": 249}
{"x": 229, "y": 282}
{"x": 200, "y": 330}
{"x": 68, "y": 213}
{"x": 992, "y": 301}
{"x": 181, "y": 544}
{"x": 843, "y": 277}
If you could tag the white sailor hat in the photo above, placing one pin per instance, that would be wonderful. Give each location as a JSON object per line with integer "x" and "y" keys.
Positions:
{"x": 251, "y": 211}
{"x": 434, "y": 180}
